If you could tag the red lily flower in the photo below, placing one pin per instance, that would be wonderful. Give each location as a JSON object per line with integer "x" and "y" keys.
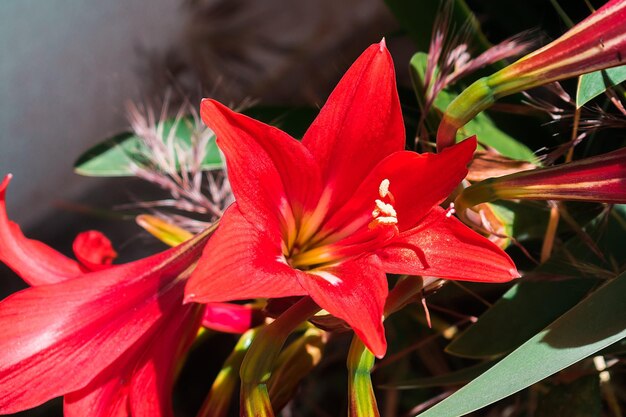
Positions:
{"x": 328, "y": 216}
{"x": 107, "y": 337}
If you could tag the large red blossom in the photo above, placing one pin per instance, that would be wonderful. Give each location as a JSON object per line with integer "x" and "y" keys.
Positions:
{"x": 108, "y": 338}
{"x": 328, "y": 216}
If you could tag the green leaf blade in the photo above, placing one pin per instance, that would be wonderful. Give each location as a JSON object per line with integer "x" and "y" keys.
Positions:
{"x": 595, "y": 83}
{"x": 595, "y": 323}
{"x": 116, "y": 156}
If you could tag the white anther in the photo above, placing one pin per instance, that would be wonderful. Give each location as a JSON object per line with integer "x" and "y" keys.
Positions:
{"x": 386, "y": 209}
{"x": 387, "y": 220}
{"x": 450, "y": 211}
{"x": 383, "y": 188}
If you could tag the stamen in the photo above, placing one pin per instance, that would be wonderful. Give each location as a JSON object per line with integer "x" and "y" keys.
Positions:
{"x": 383, "y": 188}
{"x": 387, "y": 220}
{"x": 384, "y": 214}
{"x": 386, "y": 209}
{"x": 450, "y": 211}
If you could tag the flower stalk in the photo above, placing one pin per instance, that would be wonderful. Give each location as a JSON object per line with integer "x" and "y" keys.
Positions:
{"x": 294, "y": 363}
{"x": 217, "y": 402}
{"x": 259, "y": 362}
{"x": 596, "y": 43}
{"x": 362, "y": 401}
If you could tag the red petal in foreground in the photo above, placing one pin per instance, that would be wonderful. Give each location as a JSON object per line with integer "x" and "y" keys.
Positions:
{"x": 411, "y": 181}
{"x": 81, "y": 325}
{"x": 361, "y": 122}
{"x": 261, "y": 161}
{"x": 441, "y": 246}
{"x": 151, "y": 386}
{"x": 33, "y": 261}
{"x": 355, "y": 292}
{"x": 239, "y": 263}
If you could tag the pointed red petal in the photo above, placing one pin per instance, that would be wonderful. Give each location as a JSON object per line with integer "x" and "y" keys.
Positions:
{"x": 354, "y": 291}
{"x": 360, "y": 124}
{"x": 107, "y": 394}
{"x": 268, "y": 170}
{"x": 108, "y": 399}
{"x": 94, "y": 250}
{"x": 417, "y": 181}
{"x": 442, "y": 246}
{"x": 71, "y": 331}
{"x": 33, "y": 261}
{"x": 151, "y": 387}
{"x": 240, "y": 262}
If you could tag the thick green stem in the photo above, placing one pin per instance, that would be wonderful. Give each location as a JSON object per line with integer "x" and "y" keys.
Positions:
{"x": 258, "y": 363}
{"x": 596, "y": 43}
{"x": 218, "y": 401}
{"x": 361, "y": 393}
{"x": 474, "y": 99}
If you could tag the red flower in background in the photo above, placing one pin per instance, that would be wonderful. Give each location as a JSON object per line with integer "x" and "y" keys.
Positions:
{"x": 108, "y": 338}
{"x": 328, "y": 216}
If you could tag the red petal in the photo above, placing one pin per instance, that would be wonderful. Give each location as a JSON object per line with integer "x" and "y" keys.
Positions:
{"x": 231, "y": 318}
{"x": 354, "y": 291}
{"x": 151, "y": 387}
{"x": 94, "y": 250}
{"x": 360, "y": 124}
{"x": 269, "y": 171}
{"x": 34, "y": 262}
{"x": 105, "y": 396}
{"x": 71, "y": 331}
{"x": 107, "y": 399}
{"x": 240, "y": 262}
{"x": 444, "y": 247}
{"x": 417, "y": 181}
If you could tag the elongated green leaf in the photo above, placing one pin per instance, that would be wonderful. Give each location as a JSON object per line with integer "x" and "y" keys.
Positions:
{"x": 531, "y": 305}
{"x": 115, "y": 156}
{"x": 595, "y": 83}
{"x": 595, "y": 323}
{"x": 459, "y": 377}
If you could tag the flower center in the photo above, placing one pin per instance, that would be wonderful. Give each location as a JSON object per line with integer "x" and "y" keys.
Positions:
{"x": 359, "y": 237}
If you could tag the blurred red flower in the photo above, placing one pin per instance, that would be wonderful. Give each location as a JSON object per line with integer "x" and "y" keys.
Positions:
{"x": 107, "y": 337}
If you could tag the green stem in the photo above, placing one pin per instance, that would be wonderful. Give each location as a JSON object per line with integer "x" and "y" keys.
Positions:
{"x": 360, "y": 363}
{"x": 258, "y": 363}
{"x": 217, "y": 402}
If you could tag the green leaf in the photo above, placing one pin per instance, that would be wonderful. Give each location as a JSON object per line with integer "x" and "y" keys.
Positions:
{"x": 595, "y": 323}
{"x": 595, "y": 83}
{"x": 531, "y": 305}
{"x": 115, "y": 156}
{"x": 459, "y": 377}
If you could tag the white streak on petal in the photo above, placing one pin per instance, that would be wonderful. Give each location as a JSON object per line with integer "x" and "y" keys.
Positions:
{"x": 328, "y": 277}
